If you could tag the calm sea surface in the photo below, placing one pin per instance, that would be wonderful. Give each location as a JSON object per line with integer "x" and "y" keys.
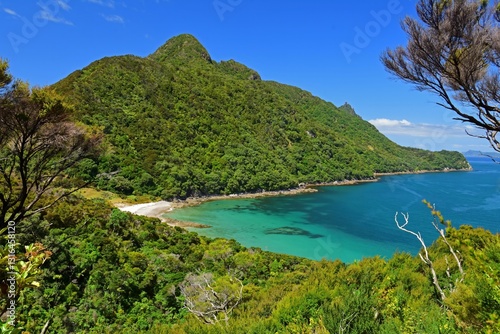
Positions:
{"x": 352, "y": 222}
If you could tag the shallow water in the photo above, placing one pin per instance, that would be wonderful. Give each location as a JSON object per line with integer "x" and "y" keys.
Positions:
{"x": 352, "y": 222}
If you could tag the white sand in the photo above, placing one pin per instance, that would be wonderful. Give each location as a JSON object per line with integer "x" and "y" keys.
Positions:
{"x": 153, "y": 209}
{"x": 156, "y": 210}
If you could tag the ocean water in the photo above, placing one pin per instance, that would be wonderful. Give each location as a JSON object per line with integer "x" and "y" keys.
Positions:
{"x": 356, "y": 221}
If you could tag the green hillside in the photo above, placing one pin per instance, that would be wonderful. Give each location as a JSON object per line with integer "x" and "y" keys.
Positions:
{"x": 180, "y": 124}
{"x": 113, "y": 272}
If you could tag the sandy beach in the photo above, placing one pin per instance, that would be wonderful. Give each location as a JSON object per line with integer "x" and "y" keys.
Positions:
{"x": 158, "y": 209}
{"x": 152, "y": 209}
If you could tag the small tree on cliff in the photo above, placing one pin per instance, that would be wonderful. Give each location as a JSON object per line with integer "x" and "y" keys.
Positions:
{"x": 454, "y": 52}
{"x": 38, "y": 145}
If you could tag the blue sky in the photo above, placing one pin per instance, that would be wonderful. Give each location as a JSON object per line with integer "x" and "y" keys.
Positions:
{"x": 330, "y": 48}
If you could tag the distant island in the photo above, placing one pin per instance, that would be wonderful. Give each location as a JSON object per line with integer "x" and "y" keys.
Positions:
{"x": 479, "y": 154}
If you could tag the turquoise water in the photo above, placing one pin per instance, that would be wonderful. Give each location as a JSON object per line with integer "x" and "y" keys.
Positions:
{"x": 352, "y": 222}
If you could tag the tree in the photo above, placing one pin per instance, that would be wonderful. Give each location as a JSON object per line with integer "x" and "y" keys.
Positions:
{"x": 211, "y": 300}
{"x": 454, "y": 52}
{"x": 38, "y": 145}
{"x": 438, "y": 218}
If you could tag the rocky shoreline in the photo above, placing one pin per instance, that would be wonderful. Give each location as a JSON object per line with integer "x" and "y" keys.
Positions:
{"x": 158, "y": 209}
{"x": 446, "y": 170}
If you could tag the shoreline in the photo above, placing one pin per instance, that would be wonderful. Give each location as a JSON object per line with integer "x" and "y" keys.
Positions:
{"x": 302, "y": 189}
{"x": 425, "y": 171}
{"x": 159, "y": 208}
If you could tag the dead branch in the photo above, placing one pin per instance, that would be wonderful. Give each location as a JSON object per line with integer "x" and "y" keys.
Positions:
{"x": 452, "y": 251}
{"x": 425, "y": 258}
{"x": 211, "y": 300}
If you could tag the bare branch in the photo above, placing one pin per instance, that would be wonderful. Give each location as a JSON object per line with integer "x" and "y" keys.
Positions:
{"x": 209, "y": 299}
{"x": 453, "y": 51}
{"x": 452, "y": 251}
{"x": 425, "y": 258}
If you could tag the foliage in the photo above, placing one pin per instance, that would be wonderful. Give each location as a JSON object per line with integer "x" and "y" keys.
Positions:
{"x": 38, "y": 145}
{"x": 453, "y": 51}
{"x": 112, "y": 271}
{"x": 19, "y": 273}
{"x": 179, "y": 124}
{"x": 210, "y": 300}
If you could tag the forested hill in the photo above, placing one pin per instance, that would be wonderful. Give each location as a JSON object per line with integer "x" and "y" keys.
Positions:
{"x": 180, "y": 124}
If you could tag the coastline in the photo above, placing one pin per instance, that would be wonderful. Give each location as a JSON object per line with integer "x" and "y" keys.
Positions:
{"x": 302, "y": 189}
{"x": 158, "y": 209}
{"x": 425, "y": 171}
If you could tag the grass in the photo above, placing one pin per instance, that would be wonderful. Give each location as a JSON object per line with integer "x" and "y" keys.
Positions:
{"x": 115, "y": 199}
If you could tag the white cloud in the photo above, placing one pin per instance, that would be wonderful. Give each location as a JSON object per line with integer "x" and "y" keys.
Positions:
{"x": 46, "y": 13}
{"x": 406, "y": 128}
{"x": 10, "y": 12}
{"x": 431, "y": 136}
{"x": 384, "y": 122}
{"x": 105, "y": 3}
{"x": 50, "y": 17}
{"x": 113, "y": 18}
{"x": 63, "y": 5}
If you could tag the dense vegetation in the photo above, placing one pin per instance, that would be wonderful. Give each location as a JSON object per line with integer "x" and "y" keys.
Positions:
{"x": 110, "y": 271}
{"x": 179, "y": 124}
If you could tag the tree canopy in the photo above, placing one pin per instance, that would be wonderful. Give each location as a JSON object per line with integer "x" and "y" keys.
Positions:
{"x": 111, "y": 271}
{"x": 38, "y": 145}
{"x": 180, "y": 124}
{"x": 453, "y": 51}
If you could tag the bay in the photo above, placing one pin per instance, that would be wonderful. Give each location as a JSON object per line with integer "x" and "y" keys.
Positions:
{"x": 356, "y": 221}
